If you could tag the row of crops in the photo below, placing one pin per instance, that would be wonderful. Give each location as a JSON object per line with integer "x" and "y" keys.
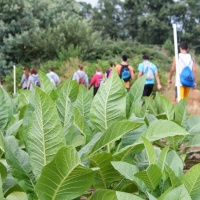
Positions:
{"x": 61, "y": 143}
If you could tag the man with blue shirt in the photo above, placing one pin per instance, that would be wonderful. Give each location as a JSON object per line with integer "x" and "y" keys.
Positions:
{"x": 151, "y": 71}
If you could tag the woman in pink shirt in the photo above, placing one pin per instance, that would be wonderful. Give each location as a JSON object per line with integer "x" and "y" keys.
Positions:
{"x": 97, "y": 79}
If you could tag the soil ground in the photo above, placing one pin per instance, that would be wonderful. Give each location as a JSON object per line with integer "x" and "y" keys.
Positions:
{"x": 193, "y": 100}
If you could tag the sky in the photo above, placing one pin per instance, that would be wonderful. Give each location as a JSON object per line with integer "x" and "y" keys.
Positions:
{"x": 92, "y": 2}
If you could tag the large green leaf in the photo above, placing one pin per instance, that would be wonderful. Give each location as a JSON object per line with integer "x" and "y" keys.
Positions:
{"x": 12, "y": 130}
{"x": 193, "y": 127}
{"x": 1, "y": 189}
{"x": 162, "y": 158}
{"x": 175, "y": 163}
{"x": 64, "y": 177}
{"x": 131, "y": 137}
{"x": 109, "y": 104}
{"x": 165, "y": 106}
{"x": 151, "y": 197}
{"x": 141, "y": 160}
{"x": 136, "y": 89}
{"x": 150, "y": 151}
{"x": 113, "y": 195}
{"x": 128, "y": 171}
{"x": 3, "y": 172}
{"x": 24, "y": 97}
{"x": 162, "y": 129}
{"x": 152, "y": 106}
{"x": 175, "y": 193}
{"x": 5, "y": 109}
{"x": 181, "y": 112}
{"x": 19, "y": 162}
{"x": 45, "y": 82}
{"x": 66, "y": 112}
{"x": 151, "y": 176}
{"x": 84, "y": 101}
{"x": 83, "y": 153}
{"x": 175, "y": 181}
{"x": 2, "y": 150}
{"x": 175, "y": 142}
{"x": 128, "y": 151}
{"x": 115, "y": 132}
{"x": 193, "y": 124}
{"x": 69, "y": 88}
{"x": 138, "y": 110}
{"x": 194, "y": 141}
{"x": 17, "y": 196}
{"x": 81, "y": 124}
{"x": 106, "y": 174}
{"x": 191, "y": 180}
{"x": 44, "y": 136}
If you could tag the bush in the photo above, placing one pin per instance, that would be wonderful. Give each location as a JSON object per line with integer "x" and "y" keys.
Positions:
{"x": 168, "y": 45}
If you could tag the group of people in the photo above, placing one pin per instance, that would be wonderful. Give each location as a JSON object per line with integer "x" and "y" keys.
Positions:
{"x": 185, "y": 79}
{"x": 31, "y": 78}
{"x": 126, "y": 73}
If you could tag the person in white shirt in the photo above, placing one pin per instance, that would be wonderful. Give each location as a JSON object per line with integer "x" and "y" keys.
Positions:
{"x": 80, "y": 76}
{"x": 184, "y": 58}
{"x": 53, "y": 77}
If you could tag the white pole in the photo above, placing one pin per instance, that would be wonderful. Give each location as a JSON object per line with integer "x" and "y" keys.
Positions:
{"x": 14, "y": 78}
{"x": 177, "y": 80}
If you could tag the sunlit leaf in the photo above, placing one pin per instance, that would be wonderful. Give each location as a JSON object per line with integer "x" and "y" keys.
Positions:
{"x": 64, "y": 177}
{"x": 151, "y": 176}
{"x": 109, "y": 104}
{"x": 191, "y": 180}
{"x": 44, "y": 135}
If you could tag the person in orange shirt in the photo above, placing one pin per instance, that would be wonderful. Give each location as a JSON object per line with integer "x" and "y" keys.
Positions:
{"x": 125, "y": 71}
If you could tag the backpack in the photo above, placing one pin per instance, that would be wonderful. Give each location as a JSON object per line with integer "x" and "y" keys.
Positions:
{"x": 108, "y": 73}
{"x": 125, "y": 73}
{"x": 148, "y": 71}
{"x": 36, "y": 81}
{"x": 100, "y": 81}
{"x": 187, "y": 76}
{"x": 81, "y": 79}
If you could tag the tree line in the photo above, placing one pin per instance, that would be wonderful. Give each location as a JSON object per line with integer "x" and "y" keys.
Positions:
{"x": 34, "y": 31}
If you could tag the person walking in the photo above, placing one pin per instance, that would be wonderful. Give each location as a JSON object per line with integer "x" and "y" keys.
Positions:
{"x": 33, "y": 79}
{"x": 53, "y": 77}
{"x": 109, "y": 71}
{"x": 96, "y": 80}
{"x": 80, "y": 76}
{"x": 125, "y": 71}
{"x": 151, "y": 71}
{"x": 24, "y": 79}
{"x": 184, "y": 60}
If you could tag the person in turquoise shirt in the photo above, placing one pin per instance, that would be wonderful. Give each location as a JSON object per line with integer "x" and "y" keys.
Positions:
{"x": 151, "y": 71}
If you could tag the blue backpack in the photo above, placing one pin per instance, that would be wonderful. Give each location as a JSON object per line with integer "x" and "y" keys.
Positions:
{"x": 187, "y": 76}
{"x": 125, "y": 73}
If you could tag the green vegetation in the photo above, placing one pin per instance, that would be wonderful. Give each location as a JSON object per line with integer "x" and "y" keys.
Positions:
{"x": 34, "y": 33}
{"x": 61, "y": 143}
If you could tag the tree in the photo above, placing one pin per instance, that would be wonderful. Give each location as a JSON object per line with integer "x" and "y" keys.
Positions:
{"x": 148, "y": 20}
{"x": 108, "y": 18}
{"x": 35, "y": 31}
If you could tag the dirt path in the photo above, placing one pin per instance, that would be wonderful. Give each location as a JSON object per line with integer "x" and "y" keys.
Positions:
{"x": 193, "y": 101}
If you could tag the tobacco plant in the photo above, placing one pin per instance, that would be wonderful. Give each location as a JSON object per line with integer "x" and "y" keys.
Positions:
{"x": 62, "y": 143}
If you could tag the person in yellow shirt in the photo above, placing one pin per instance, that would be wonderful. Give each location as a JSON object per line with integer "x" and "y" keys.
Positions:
{"x": 125, "y": 71}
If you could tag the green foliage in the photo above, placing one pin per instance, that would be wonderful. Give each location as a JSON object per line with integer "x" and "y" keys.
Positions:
{"x": 168, "y": 45}
{"x": 61, "y": 142}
